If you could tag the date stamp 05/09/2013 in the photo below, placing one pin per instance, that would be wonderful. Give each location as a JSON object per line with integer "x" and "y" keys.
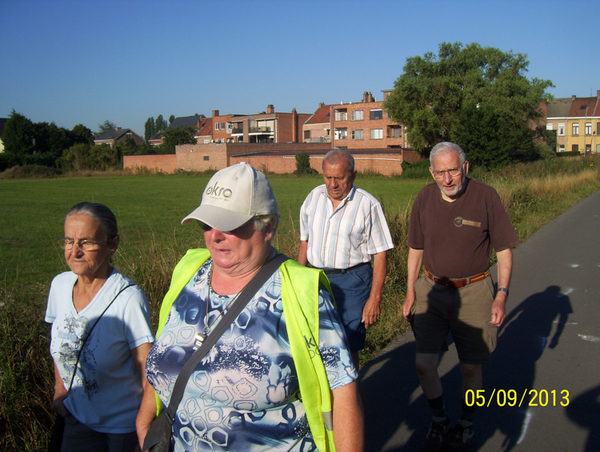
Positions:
{"x": 512, "y": 397}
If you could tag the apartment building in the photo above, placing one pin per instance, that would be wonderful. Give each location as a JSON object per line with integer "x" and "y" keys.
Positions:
{"x": 365, "y": 125}
{"x": 576, "y": 121}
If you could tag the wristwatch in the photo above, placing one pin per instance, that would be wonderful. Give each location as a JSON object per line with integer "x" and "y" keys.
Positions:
{"x": 503, "y": 289}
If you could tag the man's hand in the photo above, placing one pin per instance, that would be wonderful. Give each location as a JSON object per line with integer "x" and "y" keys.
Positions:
{"x": 371, "y": 312}
{"x": 409, "y": 301}
{"x": 498, "y": 309}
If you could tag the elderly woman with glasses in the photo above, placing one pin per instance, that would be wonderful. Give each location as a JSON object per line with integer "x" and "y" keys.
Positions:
{"x": 101, "y": 335}
{"x": 281, "y": 376}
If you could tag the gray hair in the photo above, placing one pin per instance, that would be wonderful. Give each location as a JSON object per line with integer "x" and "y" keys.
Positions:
{"x": 447, "y": 146}
{"x": 100, "y": 213}
{"x": 262, "y": 221}
{"x": 336, "y": 155}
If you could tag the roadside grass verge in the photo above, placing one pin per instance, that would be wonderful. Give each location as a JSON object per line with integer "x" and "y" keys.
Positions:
{"x": 149, "y": 209}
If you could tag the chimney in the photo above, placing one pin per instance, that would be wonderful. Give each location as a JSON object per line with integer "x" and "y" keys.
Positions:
{"x": 215, "y": 113}
{"x": 322, "y": 104}
{"x": 294, "y": 126}
{"x": 365, "y": 97}
{"x": 371, "y": 98}
{"x": 270, "y": 109}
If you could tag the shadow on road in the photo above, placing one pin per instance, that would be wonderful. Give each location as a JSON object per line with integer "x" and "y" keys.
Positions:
{"x": 387, "y": 389}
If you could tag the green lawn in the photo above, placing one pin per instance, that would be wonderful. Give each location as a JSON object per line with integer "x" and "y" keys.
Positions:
{"x": 148, "y": 208}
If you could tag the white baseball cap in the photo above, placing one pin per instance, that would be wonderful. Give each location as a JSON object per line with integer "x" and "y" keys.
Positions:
{"x": 233, "y": 196}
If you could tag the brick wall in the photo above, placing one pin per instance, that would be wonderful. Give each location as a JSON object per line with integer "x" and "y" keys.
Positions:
{"x": 165, "y": 163}
{"x": 387, "y": 165}
{"x": 267, "y": 157}
{"x": 195, "y": 157}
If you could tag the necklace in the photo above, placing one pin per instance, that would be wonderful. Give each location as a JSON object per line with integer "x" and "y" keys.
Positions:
{"x": 200, "y": 337}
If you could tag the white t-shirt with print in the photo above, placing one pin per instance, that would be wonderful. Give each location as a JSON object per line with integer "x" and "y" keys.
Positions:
{"x": 107, "y": 390}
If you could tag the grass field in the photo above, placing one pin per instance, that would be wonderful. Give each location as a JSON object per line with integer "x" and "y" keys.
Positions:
{"x": 149, "y": 209}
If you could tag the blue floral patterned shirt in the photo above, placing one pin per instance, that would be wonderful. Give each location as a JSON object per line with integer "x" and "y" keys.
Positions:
{"x": 244, "y": 395}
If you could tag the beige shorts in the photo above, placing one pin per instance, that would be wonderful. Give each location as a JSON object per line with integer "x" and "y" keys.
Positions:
{"x": 464, "y": 312}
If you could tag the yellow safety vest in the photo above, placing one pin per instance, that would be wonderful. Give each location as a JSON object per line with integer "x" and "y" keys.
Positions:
{"x": 300, "y": 298}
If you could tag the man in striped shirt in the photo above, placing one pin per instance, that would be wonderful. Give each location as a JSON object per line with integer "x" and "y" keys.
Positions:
{"x": 343, "y": 229}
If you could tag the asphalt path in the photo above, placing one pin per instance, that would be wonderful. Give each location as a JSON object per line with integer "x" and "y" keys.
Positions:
{"x": 542, "y": 386}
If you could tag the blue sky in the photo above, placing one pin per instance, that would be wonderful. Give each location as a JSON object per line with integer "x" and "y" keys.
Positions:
{"x": 86, "y": 61}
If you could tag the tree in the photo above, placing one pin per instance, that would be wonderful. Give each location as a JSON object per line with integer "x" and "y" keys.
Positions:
{"x": 171, "y": 119}
{"x": 174, "y": 137}
{"x": 81, "y": 134}
{"x": 161, "y": 124}
{"x": 477, "y": 97}
{"x": 149, "y": 128}
{"x": 18, "y": 138}
{"x": 106, "y": 126}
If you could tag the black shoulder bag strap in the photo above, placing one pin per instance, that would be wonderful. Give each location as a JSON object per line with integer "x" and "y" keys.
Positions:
{"x": 90, "y": 332}
{"x": 238, "y": 306}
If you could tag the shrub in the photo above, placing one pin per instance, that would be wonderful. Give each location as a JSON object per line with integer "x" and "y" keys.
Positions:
{"x": 417, "y": 170}
{"x": 28, "y": 171}
{"x": 303, "y": 165}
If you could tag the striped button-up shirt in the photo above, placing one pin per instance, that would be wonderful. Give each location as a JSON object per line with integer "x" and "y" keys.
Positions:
{"x": 344, "y": 237}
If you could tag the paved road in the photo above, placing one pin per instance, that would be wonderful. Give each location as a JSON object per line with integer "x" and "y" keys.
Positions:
{"x": 550, "y": 342}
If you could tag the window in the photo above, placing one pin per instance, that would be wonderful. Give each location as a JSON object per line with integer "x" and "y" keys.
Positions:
{"x": 561, "y": 129}
{"x": 376, "y": 134}
{"x": 575, "y": 148}
{"x": 206, "y": 158}
{"x": 222, "y": 126}
{"x": 561, "y": 148}
{"x": 588, "y": 128}
{"x": 357, "y": 134}
{"x": 307, "y": 134}
{"x": 377, "y": 114}
{"x": 341, "y": 134}
{"x": 216, "y": 126}
{"x": 575, "y": 128}
{"x": 341, "y": 115}
{"x": 357, "y": 115}
{"x": 394, "y": 131}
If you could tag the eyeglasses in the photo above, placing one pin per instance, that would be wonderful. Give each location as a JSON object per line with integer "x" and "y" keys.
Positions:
{"x": 452, "y": 171}
{"x": 83, "y": 244}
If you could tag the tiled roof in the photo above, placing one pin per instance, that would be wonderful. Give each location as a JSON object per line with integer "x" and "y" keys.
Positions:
{"x": 112, "y": 134}
{"x": 583, "y": 107}
{"x": 185, "y": 121}
{"x": 206, "y": 127}
{"x": 559, "y": 108}
{"x": 322, "y": 115}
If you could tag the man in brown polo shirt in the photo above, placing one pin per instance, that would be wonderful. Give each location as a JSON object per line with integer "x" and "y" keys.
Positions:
{"x": 454, "y": 225}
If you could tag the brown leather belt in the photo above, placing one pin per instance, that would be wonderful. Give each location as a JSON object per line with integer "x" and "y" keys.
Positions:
{"x": 457, "y": 283}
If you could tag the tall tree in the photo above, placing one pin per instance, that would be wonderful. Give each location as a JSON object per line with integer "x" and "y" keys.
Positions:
{"x": 161, "y": 125}
{"x": 477, "y": 97}
{"x": 149, "y": 128}
{"x": 106, "y": 126}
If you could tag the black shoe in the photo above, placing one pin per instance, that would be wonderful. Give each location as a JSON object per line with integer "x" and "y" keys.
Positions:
{"x": 438, "y": 431}
{"x": 461, "y": 438}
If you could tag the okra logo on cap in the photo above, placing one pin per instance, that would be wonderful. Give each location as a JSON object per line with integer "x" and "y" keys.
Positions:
{"x": 217, "y": 192}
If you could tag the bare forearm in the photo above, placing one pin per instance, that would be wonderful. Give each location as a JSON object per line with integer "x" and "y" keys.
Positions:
{"x": 146, "y": 414}
{"x": 379, "y": 272}
{"x": 348, "y": 422}
{"x": 302, "y": 252}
